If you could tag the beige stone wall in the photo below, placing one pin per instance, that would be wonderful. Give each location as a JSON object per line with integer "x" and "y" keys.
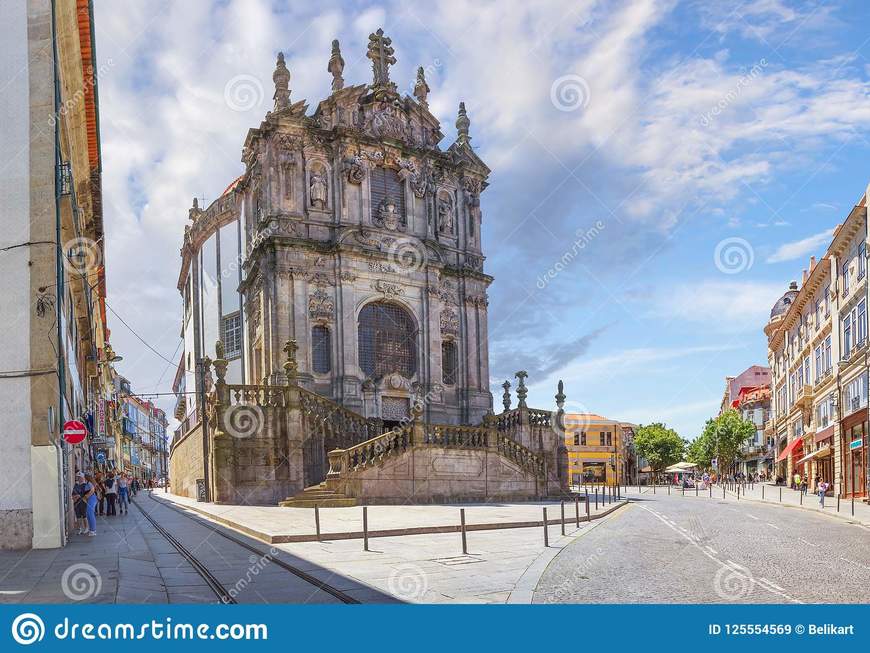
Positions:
{"x": 185, "y": 463}
{"x": 440, "y": 475}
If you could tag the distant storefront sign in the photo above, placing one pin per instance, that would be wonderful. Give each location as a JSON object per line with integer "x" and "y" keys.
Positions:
{"x": 856, "y": 444}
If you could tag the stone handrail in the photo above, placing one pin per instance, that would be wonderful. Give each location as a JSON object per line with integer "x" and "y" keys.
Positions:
{"x": 450, "y": 435}
{"x": 256, "y": 395}
{"x": 350, "y": 427}
{"x": 365, "y": 454}
{"x": 522, "y": 456}
{"x": 539, "y": 417}
{"x": 508, "y": 421}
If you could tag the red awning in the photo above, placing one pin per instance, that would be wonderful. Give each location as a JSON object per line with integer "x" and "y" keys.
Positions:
{"x": 789, "y": 448}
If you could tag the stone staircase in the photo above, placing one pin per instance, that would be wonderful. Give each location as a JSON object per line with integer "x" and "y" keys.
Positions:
{"x": 320, "y": 496}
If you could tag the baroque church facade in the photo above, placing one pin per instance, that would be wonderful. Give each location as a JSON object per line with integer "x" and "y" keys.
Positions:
{"x": 359, "y": 237}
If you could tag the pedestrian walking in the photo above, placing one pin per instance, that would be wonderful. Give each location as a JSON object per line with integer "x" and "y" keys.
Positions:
{"x": 80, "y": 496}
{"x": 111, "y": 492}
{"x": 796, "y": 481}
{"x": 823, "y": 488}
{"x": 804, "y": 484}
{"x": 97, "y": 480}
{"x": 91, "y": 497}
{"x": 123, "y": 494}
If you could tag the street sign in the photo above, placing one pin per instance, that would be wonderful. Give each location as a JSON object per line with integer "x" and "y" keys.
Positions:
{"x": 856, "y": 444}
{"x": 101, "y": 457}
{"x": 714, "y": 463}
{"x": 74, "y": 431}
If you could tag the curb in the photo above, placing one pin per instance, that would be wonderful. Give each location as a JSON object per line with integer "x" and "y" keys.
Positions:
{"x": 764, "y": 502}
{"x": 390, "y": 532}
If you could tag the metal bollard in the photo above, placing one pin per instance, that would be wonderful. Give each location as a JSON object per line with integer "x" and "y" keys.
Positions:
{"x": 317, "y": 521}
{"x": 762, "y": 492}
{"x": 562, "y": 509}
{"x": 462, "y": 528}
{"x": 838, "y": 502}
{"x": 588, "y": 516}
{"x": 738, "y": 493}
{"x": 780, "y": 494}
{"x": 723, "y": 491}
{"x": 853, "y": 506}
{"x": 577, "y": 512}
{"x": 696, "y": 488}
{"x": 669, "y": 489}
{"x": 801, "y": 497}
{"x": 596, "y": 498}
{"x": 546, "y": 536}
{"x": 365, "y": 528}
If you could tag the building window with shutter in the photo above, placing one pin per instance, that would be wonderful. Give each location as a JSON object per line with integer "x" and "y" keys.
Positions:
{"x": 448, "y": 362}
{"x": 321, "y": 356}
{"x": 386, "y": 185}
{"x": 231, "y": 335}
{"x": 387, "y": 340}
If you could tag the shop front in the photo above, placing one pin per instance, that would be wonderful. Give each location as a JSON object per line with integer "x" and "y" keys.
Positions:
{"x": 791, "y": 454}
{"x": 853, "y": 449}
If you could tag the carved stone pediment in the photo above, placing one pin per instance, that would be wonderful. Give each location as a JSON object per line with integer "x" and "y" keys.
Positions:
{"x": 449, "y": 320}
{"x": 320, "y": 306}
{"x": 387, "y": 288}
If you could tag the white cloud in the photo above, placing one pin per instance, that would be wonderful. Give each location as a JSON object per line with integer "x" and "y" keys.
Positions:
{"x": 801, "y": 248}
{"x": 721, "y": 306}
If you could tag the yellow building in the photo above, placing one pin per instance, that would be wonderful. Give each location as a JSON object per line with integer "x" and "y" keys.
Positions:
{"x": 597, "y": 448}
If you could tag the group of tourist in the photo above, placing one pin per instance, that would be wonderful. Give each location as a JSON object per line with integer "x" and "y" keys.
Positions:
{"x": 101, "y": 494}
{"x": 801, "y": 483}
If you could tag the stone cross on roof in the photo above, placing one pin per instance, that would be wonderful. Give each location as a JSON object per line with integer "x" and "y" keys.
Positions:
{"x": 382, "y": 57}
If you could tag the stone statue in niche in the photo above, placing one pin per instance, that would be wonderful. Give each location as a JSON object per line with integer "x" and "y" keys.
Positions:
{"x": 446, "y": 222}
{"x": 318, "y": 188}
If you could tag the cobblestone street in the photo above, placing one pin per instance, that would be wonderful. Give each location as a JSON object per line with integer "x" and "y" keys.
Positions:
{"x": 687, "y": 549}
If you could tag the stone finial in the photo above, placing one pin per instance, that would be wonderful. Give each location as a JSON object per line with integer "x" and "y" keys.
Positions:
{"x": 291, "y": 367}
{"x": 462, "y": 125}
{"x": 281, "y": 77}
{"x": 506, "y": 397}
{"x": 560, "y": 395}
{"x": 381, "y": 54}
{"x": 522, "y": 391}
{"x": 421, "y": 88}
{"x": 194, "y": 211}
{"x": 220, "y": 363}
{"x": 336, "y": 67}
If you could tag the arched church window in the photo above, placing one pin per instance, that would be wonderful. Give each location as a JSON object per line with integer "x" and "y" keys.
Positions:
{"x": 387, "y": 340}
{"x": 448, "y": 362}
{"x": 321, "y": 356}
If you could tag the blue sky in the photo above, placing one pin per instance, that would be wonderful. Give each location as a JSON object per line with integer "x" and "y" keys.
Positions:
{"x": 703, "y": 151}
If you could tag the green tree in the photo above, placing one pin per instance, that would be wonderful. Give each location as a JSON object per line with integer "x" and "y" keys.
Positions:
{"x": 723, "y": 438}
{"x": 661, "y": 446}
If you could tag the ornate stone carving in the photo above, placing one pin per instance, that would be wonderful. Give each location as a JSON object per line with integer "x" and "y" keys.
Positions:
{"x": 348, "y": 276}
{"x": 449, "y": 320}
{"x": 287, "y": 142}
{"x": 473, "y": 262}
{"x": 320, "y": 279}
{"x": 320, "y": 306}
{"x": 381, "y": 54}
{"x": 388, "y": 215}
{"x": 387, "y": 120}
{"x": 421, "y": 180}
{"x": 378, "y": 266}
{"x": 388, "y": 289}
{"x": 367, "y": 239}
{"x": 355, "y": 169}
{"x": 480, "y": 301}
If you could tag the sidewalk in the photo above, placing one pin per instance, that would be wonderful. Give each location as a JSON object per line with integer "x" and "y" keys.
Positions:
{"x": 786, "y": 497}
{"x": 127, "y": 562}
{"x": 277, "y": 525}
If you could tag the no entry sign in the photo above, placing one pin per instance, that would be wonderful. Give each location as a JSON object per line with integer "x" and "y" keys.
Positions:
{"x": 74, "y": 431}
